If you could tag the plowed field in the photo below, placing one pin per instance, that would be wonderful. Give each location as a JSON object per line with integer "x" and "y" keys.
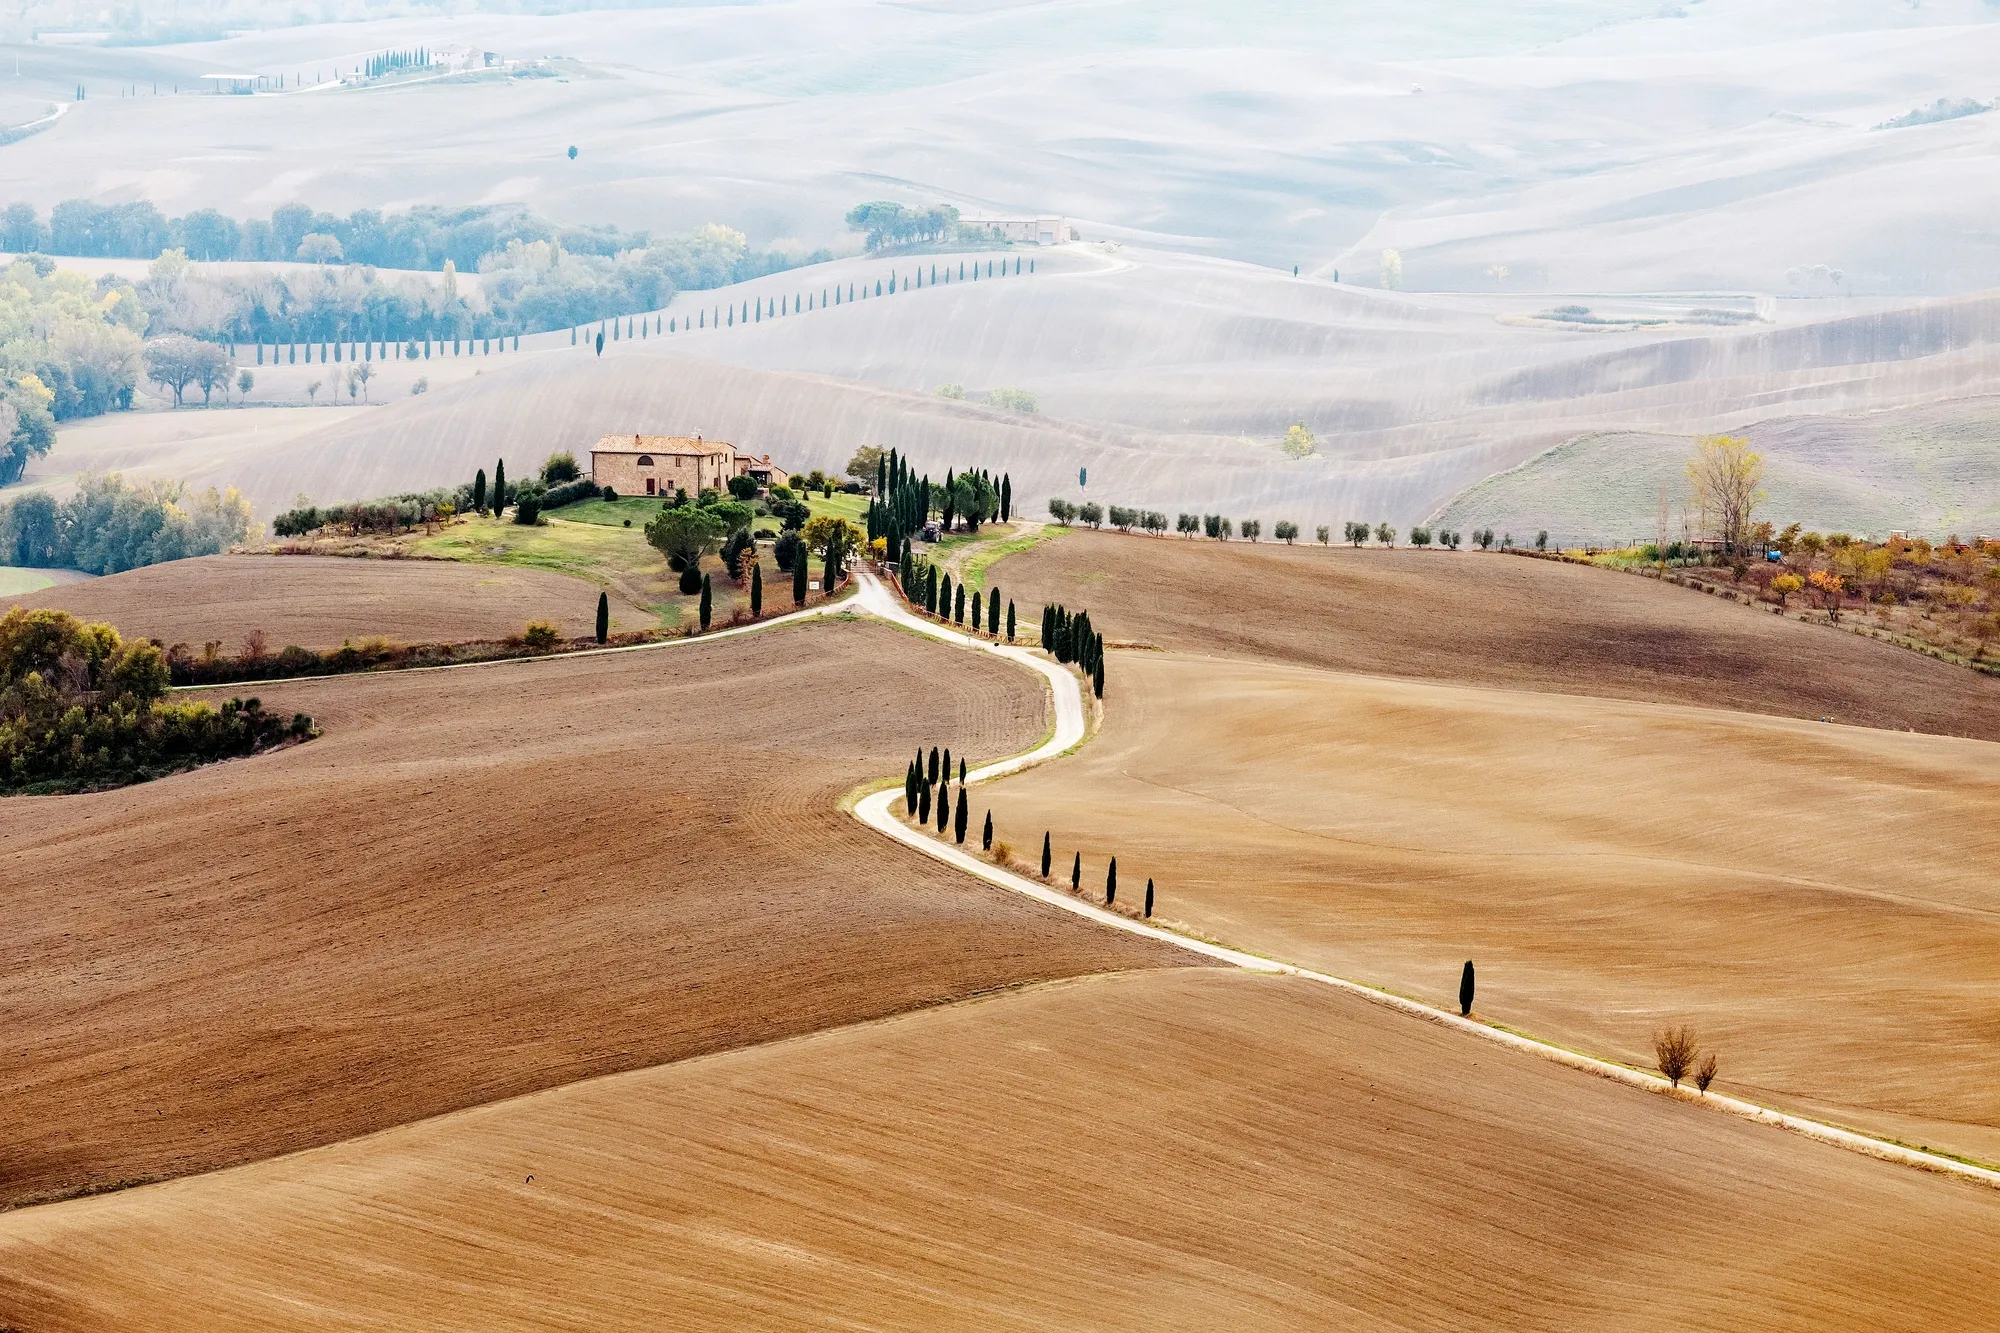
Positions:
{"x": 1486, "y": 619}
{"x": 1815, "y": 900}
{"x": 482, "y": 882}
{"x": 1186, "y": 1149}
{"x": 321, "y": 602}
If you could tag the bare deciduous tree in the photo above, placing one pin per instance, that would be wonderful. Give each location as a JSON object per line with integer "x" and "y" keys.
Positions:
{"x": 1705, "y": 1074}
{"x": 1674, "y": 1049}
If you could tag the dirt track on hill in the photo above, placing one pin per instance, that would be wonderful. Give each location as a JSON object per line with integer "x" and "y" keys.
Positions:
{"x": 317, "y": 602}
{"x": 482, "y": 882}
{"x": 1815, "y": 900}
{"x": 1486, "y": 619}
{"x": 1187, "y": 1149}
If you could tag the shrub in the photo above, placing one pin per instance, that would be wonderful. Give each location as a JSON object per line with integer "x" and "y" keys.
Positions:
{"x": 1674, "y": 1049}
{"x": 528, "y": 497}
{"x": 1542, "y": 540}
{"x": 1090, "y": 512}
{"x": 1014, "y": 400}
{"x": 744, "y": 488}
{"x": 568, "y": 493}
{"x": 296, "y": 522}
{"x": 1062, "y": 511}
{"x": 1123, "y": 518}
{"x": 612, "y": 495}
{"x": 541, "y": 636}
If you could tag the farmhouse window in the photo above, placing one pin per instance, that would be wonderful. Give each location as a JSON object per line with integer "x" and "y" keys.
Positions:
{"x": 645, "y": 460}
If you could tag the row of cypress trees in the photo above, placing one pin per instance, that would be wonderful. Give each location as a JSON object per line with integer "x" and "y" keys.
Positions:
{"x": 1071, "y": 639}
{"x": 927, "y": 587}
{"x": 925, "y": 789}
{"x": 1076, "y": 872}
{"x": 905, "y": 501}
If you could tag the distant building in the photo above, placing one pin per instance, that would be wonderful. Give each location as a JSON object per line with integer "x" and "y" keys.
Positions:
{"x": 1035, "y": 231}
{"x": 663, "y": 464}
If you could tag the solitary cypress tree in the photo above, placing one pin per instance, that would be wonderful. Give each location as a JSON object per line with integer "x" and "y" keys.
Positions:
{"x": 1111, "y": 883}
{"x": 1010, "y": 620}
{"x": 1149, "y": 897}
{"x": 799, "y": 579}
{"x": 1045, "y": 856}
{"x": 959, "y": 819}
{"x": 934, "y": 763}
{"x": 986, "y": 836}
{"x": 707, "y": 601}
{"x": 603, "y": 617}
{"x": 1465, "y": 989}
{"x": 499, "y": 487}
{"x": 1076, "y": 873}
{"x": 479, "y": 491}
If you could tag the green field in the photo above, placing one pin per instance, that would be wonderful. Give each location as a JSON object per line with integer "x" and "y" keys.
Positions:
{"x": 609, "y": 513}
{"x": 611, "y": 556}
{"x": 14, "y": 582}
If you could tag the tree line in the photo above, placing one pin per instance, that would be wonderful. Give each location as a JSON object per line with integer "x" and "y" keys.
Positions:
{"x": 110, "y": 525}
{"x": 1220, "y": 527}
{"x": 82, "y": 709}
{"x": 69, "y": 347}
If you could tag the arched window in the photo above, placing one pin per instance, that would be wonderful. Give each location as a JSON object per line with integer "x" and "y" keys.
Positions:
{"x": 645, "y": 460}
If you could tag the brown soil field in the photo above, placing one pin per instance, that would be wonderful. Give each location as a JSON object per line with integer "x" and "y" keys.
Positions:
{"x": 323, "y": 602}
{"x": 1488, "y": 619}
{"x": 1815, "y": 900}
{"x": 486, "y": 881}
{"x": 1177, "y": 1149}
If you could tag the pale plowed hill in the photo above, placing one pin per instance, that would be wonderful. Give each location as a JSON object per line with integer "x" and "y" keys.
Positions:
{"x": 1487, "y": 619}
{"x": 318, "y": 602}
{"x": 1191, "y": 1149}
{"x": 482, "y": 882}
{"x": 1815, "y": 900}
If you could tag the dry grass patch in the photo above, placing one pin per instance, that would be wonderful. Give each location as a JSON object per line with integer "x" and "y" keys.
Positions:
{"x": 1185, "y": 1149}
{"x": 1813, "y": 900}
{"x": 482, "y": 882}
{"x": 1493, "y": 620}
{"x": 317, "y": 602}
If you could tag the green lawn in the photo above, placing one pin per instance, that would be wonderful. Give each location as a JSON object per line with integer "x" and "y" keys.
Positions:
{"x": 614, "y": 557}
{"x": 967, "y": 554}
{"x": 841, "y": 505}
{"x": 609, "y": 513}
{"x": 14, "y": 582}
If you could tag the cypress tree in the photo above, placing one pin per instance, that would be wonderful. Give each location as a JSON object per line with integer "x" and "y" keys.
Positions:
{"x": 1045, "y": 856}
{"x": 958, "y": 819}
{"x": 1465, "y": 990}
{"x": 930, "y": 590}
{"x": 1006, "y": 496}
{"x": 993, "y": 614}
{"x": 924, "y": 805}
{"x": 910, "y": 788}
{"x": 947, "y": 763}
{"x": 986, "y": 836}
{"x": 958, "y": 606}
{"x": 944, "y": 598}
{"x": 707, "y": 601}
{"x": 499, "y": 487}
{"x": 1111, "y": 883}
{"x": 1149, "y": 897}
{"x": 934, "y": 763}
{"x": 479, "y": 491}
{"x": 1076, "y": 873}
{"x": 961, "y": 768}
{"x": 1048, "y": 626}
{"x": 756, "y": 590}
{"x": 1097, "y": 679}
{"x": 1010, "y": 620}
{"x": 603, "y": 617}
{"x": 944, "y": 803}
{"x": 799, "y": 579}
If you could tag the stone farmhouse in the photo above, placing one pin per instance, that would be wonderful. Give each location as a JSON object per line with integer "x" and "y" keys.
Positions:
{"x": 663, "y": 464}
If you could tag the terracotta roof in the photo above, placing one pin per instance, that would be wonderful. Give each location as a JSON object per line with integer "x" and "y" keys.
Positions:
{"x": 660, "y": 444}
